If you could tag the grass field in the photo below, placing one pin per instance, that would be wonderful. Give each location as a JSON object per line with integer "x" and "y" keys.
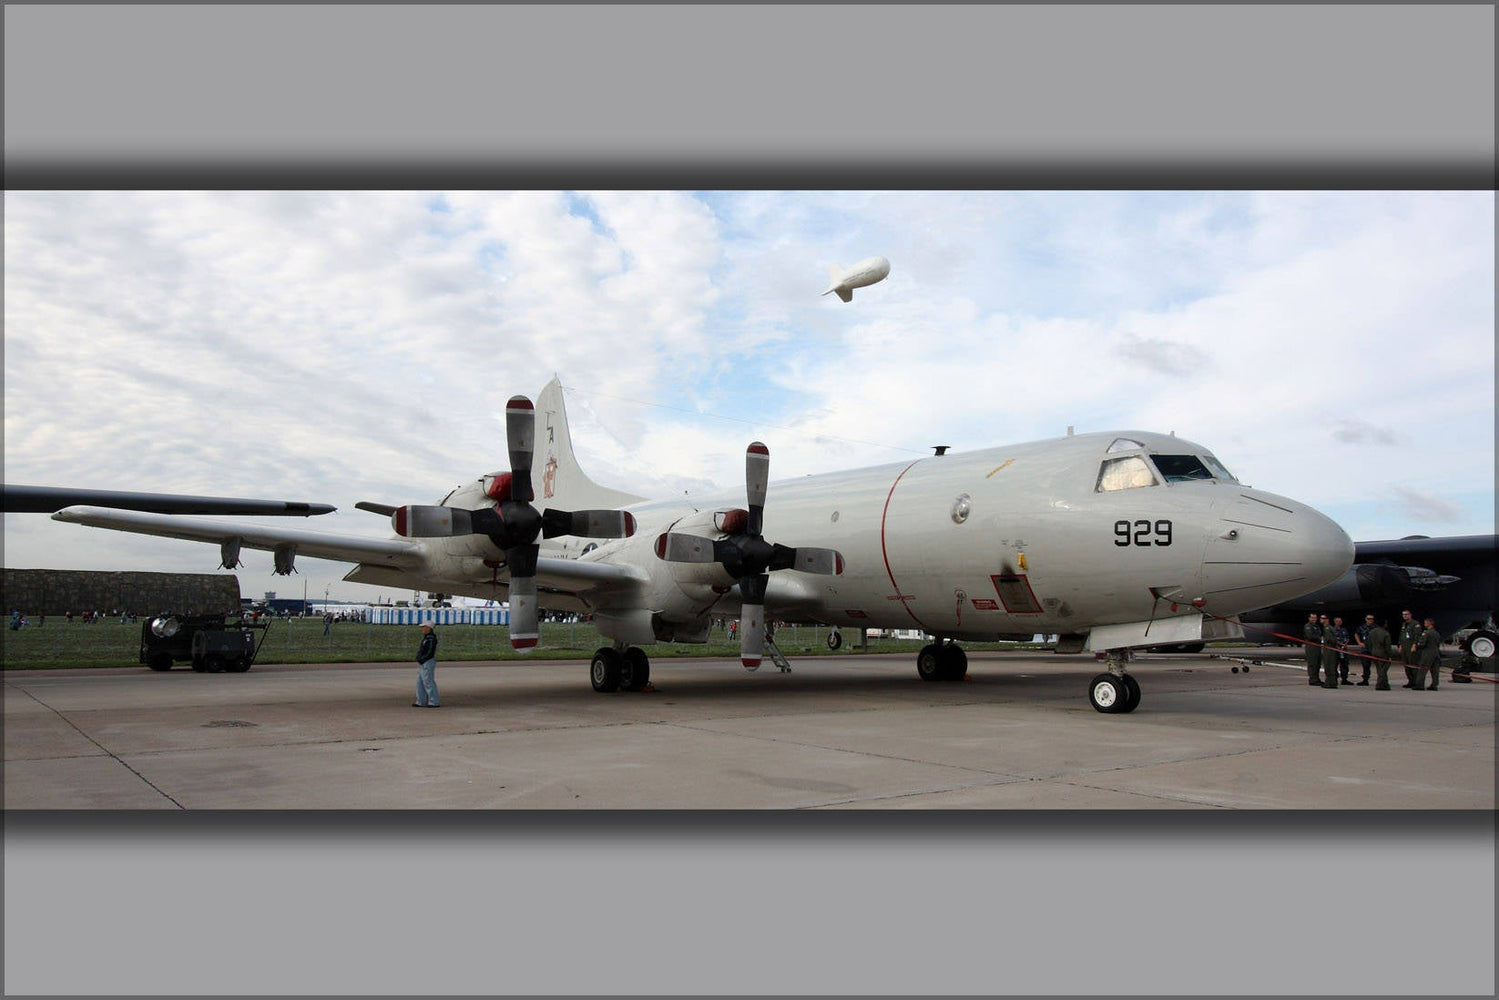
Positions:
{"x": 59, "y": 644}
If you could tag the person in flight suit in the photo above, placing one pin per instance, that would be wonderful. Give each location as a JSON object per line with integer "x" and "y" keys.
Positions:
{"x": 1312, "y": 633}
{"x": 1410, "y": 637}
{"x": 1340, "y": 639}
{"x": 1329, "y": 654}
{"x": 1377, "y": 642}
{"x": 1430, "y": 654}
{"x": 1361, "y": 643}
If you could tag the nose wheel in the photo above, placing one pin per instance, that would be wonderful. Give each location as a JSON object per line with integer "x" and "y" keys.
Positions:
{"x": 1114, "y": 693}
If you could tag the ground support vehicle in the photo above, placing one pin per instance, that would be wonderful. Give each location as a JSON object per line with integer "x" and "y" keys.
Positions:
{"x": 211, "y": 643}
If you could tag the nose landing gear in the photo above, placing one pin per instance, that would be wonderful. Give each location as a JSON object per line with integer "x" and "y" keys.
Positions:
{"x": 1115, "y": 691}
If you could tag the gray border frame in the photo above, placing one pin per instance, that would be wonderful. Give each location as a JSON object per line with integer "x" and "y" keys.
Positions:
{"x": 836, "y": 96}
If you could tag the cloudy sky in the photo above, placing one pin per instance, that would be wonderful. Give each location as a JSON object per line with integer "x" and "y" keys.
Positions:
{"x": 1337, "y": 347}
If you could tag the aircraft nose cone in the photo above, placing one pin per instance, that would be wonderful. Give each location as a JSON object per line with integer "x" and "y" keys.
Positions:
{"x": 1268, "y": 549}
{"x": 1327, "y": 551}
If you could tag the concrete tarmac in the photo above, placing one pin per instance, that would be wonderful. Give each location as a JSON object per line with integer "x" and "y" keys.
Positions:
{"x": 838, "y": 732}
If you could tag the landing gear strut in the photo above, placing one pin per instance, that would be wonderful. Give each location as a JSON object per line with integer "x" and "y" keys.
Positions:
{"x": 612, "y": 669}
{"x": 942, "y": 661}
{"x": 1115, "y": 691}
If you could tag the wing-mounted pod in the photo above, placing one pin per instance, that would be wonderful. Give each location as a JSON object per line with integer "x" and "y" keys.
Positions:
{"x": 513, "y": 524}
{"x": 743, "y": 553}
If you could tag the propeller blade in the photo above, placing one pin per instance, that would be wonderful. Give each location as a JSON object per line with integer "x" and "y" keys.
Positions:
{"x": 424, "y": 521}
{"x": 752, "y": 619}
{"x": 587, "y": 523}
{"x": 824, "y": 562}
{"x": 375, "y": 508}
{"x": 676, "y": 547}
{"x": 523, "y": 629}
{"x": 520, "y": 434}
{"x": 756, "y": 483}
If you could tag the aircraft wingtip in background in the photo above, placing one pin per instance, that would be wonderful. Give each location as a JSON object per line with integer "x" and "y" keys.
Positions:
{"x": 50, "y": 499}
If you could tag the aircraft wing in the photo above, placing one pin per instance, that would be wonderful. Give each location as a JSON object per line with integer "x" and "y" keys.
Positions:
{"x": 599, "y": 582}
{"x": 1415, "y": 548}
{"x": 393, "y": 552}
{"x": 46, "y": 499}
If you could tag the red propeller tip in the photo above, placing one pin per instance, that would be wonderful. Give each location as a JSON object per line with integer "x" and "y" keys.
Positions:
{"x": 750, "y": 661}
{"x": 523, "y": 643}
{"x": 519, "y": 403}
{"x": 756, "y": 448}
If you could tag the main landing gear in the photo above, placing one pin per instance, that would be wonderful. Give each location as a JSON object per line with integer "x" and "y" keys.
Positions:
{"x": 614, "y": 668}
{"x": 942, "y": 661}
{"x": 1115, "y": 691}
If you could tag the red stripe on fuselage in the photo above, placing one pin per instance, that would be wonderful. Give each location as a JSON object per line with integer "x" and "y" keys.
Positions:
{"x": 905, "y": 601}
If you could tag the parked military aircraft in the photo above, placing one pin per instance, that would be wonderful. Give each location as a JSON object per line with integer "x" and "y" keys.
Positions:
{"x": 1112, "y": 540}
{"x": 1452, "y": 580}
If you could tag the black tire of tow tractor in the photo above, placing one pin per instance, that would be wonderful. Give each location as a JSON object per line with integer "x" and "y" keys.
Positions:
{"x": 1107, "y": 693}
{"x": 200, "y": 665}
{"x": 634, "y": 669}
{"x": 239, "y": 664}
{"x": 603, "y": 670}
{"x": 929, "y": 663}
{"x": 159, "y": 661}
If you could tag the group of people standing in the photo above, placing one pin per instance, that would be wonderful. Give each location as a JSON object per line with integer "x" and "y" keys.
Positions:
{"x": 1328, "y": 644}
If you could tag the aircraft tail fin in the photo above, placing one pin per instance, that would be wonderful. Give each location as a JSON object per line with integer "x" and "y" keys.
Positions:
{"x": 558, "y": 480}
{"x": 846, "y": 294}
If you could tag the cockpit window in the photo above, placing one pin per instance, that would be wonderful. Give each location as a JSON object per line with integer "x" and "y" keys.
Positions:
{"x": 1126, "y": 473}
{"x": 1181, "y": 468}
{"x": 1124, "y": 444}
{"x": 1217, "y": 469}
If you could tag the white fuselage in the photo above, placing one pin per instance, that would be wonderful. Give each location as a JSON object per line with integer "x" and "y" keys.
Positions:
{"x": 1006, "y": 541}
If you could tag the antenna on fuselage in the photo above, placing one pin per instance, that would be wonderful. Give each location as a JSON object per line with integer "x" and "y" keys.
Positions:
{"x": 940, "y": 449}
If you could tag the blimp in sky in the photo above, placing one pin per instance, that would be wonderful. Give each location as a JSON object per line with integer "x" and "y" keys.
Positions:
{"x": 844, "y": 280}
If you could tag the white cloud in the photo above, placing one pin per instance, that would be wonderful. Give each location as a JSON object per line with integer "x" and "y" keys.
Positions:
{"x": 1424, "y": 507}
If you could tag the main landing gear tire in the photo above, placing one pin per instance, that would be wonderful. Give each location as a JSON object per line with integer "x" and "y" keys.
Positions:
{"x": 954, "y": 662}
{"x": 929, "y": 663}
{"x": 634, "y": 669}
{"x": 941, "y": 662}
{"x": 1113, "y": 694}
{"x": 604, "y": 670}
